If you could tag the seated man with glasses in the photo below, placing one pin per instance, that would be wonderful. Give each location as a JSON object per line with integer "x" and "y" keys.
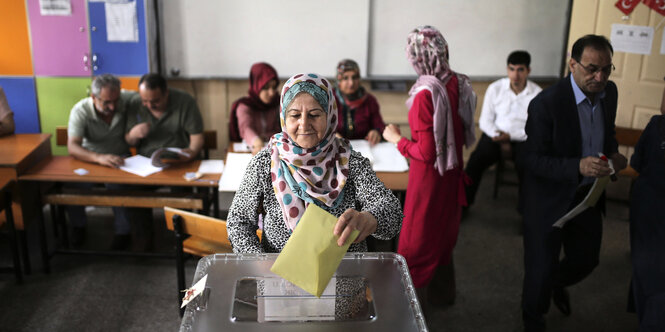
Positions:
{"x": 568, "y": 125}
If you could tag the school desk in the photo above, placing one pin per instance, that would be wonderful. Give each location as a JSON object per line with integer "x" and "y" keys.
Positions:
{"x": 17, "y": 154}
{"x": 60, "y": 170}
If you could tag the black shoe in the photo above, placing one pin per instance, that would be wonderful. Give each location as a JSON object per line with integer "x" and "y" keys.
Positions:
{"x": 121, "y": 242}
{"x": 561, "y": 300}
{"x": 78, "y": 236}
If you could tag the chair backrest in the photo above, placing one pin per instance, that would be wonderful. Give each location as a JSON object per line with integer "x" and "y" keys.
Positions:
{"x": 209, "y": 142}
{"x": 208, "y": 228}
{"x": 627, "y": 136}
{"x": 61, "y": 136}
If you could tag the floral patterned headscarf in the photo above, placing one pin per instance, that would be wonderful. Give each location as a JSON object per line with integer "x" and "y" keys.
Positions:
{"x": 315, "y": 175}
{"x": 427, "y": 51}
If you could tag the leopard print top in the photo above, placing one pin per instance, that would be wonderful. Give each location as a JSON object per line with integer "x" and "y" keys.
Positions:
{"x": 363, "y": 192}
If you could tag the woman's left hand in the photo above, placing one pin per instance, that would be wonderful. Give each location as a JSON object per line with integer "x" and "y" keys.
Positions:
{"x": 373, "y": 137}
{"x": 392, "y": 134}
{"x": 350, "y": 220}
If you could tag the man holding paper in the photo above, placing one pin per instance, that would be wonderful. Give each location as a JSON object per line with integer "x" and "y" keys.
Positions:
{"x": 568, "y": 124}
{"x": 95, "y": 134}
{"x": 162, "y": 117}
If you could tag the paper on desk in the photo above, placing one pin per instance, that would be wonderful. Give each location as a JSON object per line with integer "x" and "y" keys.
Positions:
{"x": 383, "y": 156}
{"x": 196, "y": 290}
{"x": 236, "y": 163}
{"x": 589, "y": 201}
{"x": 211, "y": 166}
{"x": 311, "y": 255}
{"x": 139, "y": 165}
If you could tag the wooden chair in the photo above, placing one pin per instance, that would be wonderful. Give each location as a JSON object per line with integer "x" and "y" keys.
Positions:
{"x": 628, "y": 137}
{"x": 6, "y": 206}
{"x": 499, "y": 174}
{"x": 206, "y": 236}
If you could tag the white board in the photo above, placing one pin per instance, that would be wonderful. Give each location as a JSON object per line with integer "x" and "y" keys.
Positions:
{"x": 480, "y": 34}
{"x": 223, "y": 38}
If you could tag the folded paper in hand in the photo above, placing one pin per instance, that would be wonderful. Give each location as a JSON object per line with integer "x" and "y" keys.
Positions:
{"x": 167, "y": 153}
{"x": 311, "y": 255}
{"x": 589, "y": 201}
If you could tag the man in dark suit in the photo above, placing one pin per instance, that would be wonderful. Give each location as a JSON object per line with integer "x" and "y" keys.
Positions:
{"x": 568, "y": 125}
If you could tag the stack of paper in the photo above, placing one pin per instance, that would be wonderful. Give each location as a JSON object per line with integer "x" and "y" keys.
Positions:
{"x": 139, "y": 165}
{"x": 384, "y": 156}
{"x": 236, "y": 163}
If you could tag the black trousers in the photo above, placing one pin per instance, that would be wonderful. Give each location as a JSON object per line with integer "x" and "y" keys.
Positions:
{"x": 543, "y": 270}
{"x": 486, "y": 154}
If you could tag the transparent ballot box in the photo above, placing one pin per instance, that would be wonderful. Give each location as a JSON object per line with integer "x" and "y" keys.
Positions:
{"x": 369, "y": 292}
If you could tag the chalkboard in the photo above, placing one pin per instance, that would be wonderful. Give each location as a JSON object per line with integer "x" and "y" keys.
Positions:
{"x": 213, "y": 38}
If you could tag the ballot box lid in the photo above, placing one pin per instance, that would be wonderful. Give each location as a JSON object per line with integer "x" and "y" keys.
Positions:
{"x": 368, "y": 292}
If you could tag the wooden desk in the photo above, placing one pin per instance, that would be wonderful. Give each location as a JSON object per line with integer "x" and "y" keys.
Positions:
{"x": 17, "y": 154}
{"x": 60, "y": 169}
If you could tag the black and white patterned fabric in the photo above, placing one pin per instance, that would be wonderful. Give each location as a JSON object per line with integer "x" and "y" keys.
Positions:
{"x": 363, "y": 192}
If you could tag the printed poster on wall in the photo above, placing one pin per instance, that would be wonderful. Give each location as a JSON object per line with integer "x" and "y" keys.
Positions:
{"x": 632, "y": 38}
{"x": 121, "y": 22}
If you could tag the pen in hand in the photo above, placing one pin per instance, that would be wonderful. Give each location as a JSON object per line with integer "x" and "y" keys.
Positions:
{"x": 613, "y": 176}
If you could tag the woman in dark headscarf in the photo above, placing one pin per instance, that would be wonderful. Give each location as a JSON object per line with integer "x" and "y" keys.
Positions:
{"x": 359, "y": 116}
{"x": 255, "y": 118}
{"x": 306, "y": 164}
{"x": 441, "y": 105}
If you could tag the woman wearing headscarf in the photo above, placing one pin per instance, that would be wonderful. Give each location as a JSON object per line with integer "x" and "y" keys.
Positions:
{"x": 359, "y": 116}
{"x": 307, "y": 164}
{"x": 441, "y": 105}
{"x": 255, "y": 118}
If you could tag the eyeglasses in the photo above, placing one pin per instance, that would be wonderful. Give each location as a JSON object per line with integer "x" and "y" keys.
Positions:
{"x": 593, "y": 69}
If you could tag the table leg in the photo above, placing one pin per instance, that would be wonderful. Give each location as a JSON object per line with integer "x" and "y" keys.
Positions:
{"x": 12, "y": 238}
{"x": 23, "y": 240}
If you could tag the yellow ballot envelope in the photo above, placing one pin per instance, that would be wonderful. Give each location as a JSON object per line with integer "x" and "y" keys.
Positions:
{"x": 311, "y": 255}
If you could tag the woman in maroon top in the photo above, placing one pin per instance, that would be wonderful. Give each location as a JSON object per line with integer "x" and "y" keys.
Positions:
{"x": 255, "y": 118}
{"x": 441, "y": 106}
{"x": 359, "y": 116}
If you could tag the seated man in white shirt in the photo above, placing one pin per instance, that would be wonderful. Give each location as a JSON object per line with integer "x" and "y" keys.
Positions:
{"x": 502, "y": 120}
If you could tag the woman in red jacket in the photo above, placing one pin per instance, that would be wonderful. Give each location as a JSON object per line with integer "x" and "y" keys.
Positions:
{"x": 441, "y": 106}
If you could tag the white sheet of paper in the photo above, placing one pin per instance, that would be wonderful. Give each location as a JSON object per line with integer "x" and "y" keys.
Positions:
{"x": 241, "y": 147}
{"x": 55, "y": 7}
{"x": 590, "y": 200}
{"x": 383, "y": 156}
{"x": 211, "y": 166}
{"x": 632, "y": 38}
{"x": 662, "y": 43}
{"x": 283, "y": 301}
{"x": 236, "y": 163}
{"x": 139, "y": 165}
{"x": 363, "y": 147}
{"x": 121, "y": 22}
{"x": 196, "y": 290}
{"x": 388, "y": 159}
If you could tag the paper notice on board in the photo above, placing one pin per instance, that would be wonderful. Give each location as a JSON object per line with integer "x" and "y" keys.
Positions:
{"x": 121, "y": 22}
{"x": 632, "y": 38}
{"x": 55, "y": 7}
